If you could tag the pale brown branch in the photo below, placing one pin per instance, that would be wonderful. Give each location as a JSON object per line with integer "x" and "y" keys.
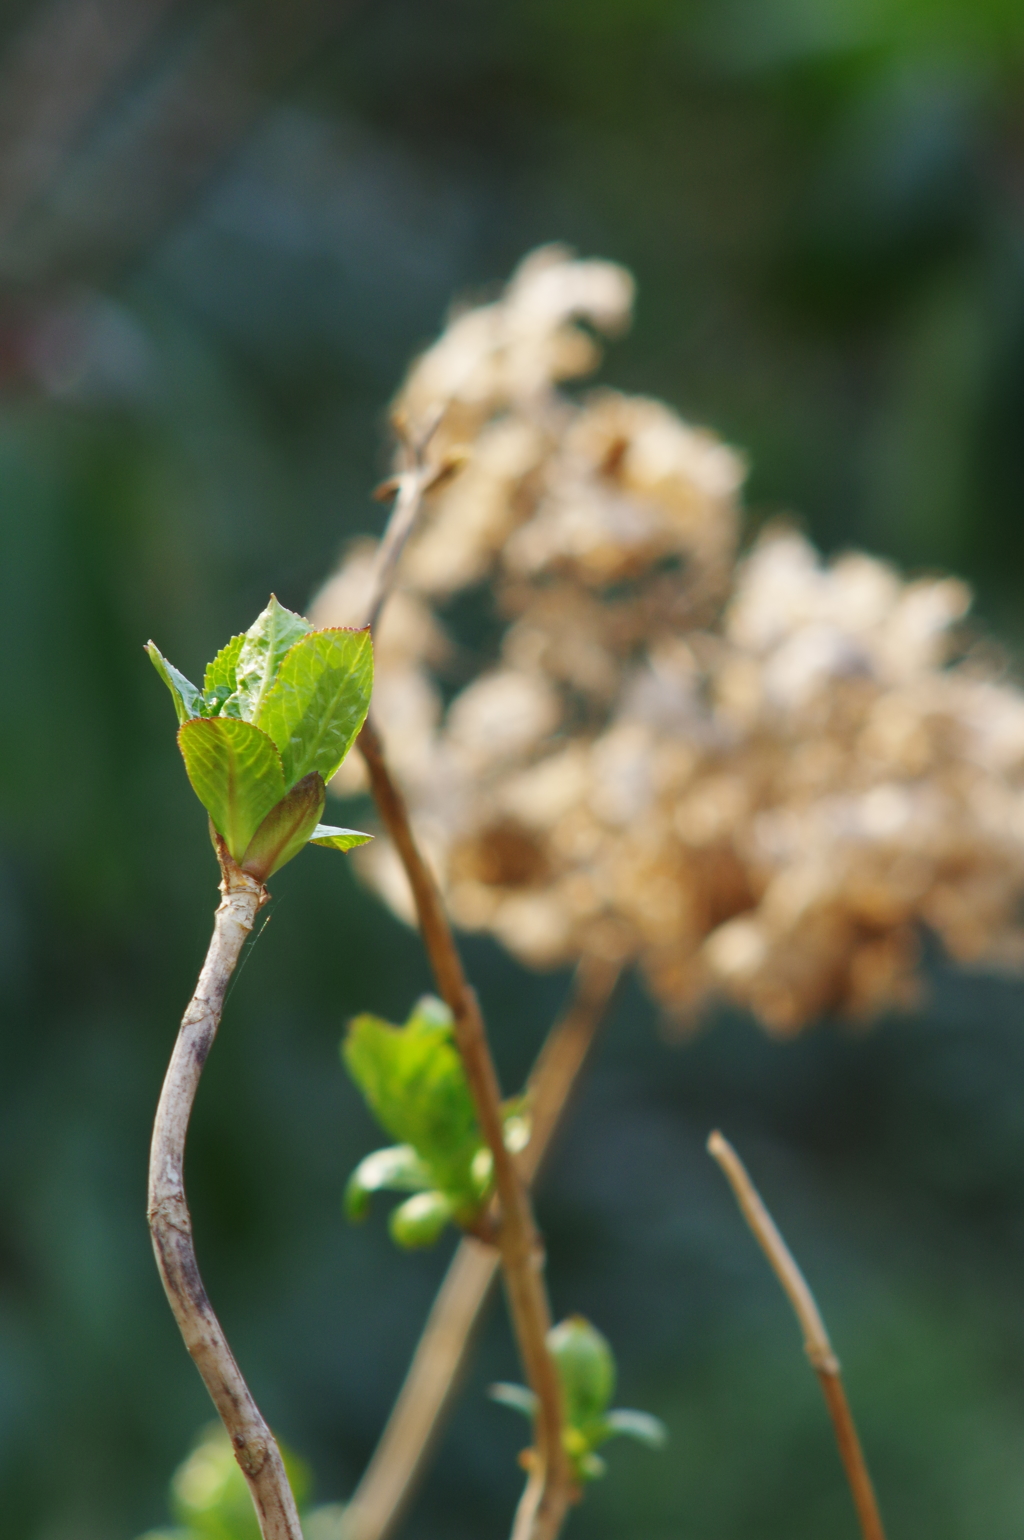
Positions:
{"x": 550, "y": 1489}
{"x": 436, "y": 1369}
{"x": 563, "y": 1055}
{"x": 816, "y": 1339}
{"x": 407, "y": 504}
{"x": 389, "y": 1480}
{"x": 171, "y": 1225}
{"x": 410, "y": 485}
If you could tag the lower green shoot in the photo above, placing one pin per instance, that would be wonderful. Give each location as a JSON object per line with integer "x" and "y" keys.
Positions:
{"x": 415, "y": 1085}
{"x": 586, "y": 1368}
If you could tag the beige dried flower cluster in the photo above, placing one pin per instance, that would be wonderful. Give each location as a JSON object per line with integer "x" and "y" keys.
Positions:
{"x": 756, "y": 778}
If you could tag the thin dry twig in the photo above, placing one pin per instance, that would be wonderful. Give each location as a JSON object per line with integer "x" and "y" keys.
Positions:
{"x": 563, "y": 1055}
{"x": 171, "y": 1225}
{"x": 443, "y": 1349}
{"x": 411, "y": 485}
{"x": 410, "y": 1433}
{"x": 816, "y": 1339}
{"x": 549, "y": 1491}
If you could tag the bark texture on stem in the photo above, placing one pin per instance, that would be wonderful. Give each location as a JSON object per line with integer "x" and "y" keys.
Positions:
{"x": 817, "y": 1345}
{"x": 409, "y": 487}
{"x": 437, "y": 1366}
{"x": 171, "y": 1225}
{"x": 550, "y": 1491}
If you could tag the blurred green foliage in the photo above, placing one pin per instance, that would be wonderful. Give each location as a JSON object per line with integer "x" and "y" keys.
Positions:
{"x": 822, "y": 206}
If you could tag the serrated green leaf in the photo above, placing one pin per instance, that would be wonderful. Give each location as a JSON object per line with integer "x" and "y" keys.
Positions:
{"x": 414, "y": 1081}
{"x": 586, "y": 1369}
{"x": 515, "y": 1396}
{"x": 396, "y": 1169}
{"x": 642, "y": 1426}
{"x": 318, "y": 701}
{"x": 235, "y": 772}
{"x": 263, "y": 647}
{"x": 420, "y": 1220}
{"x": 338, "y": 839}
{"x": 220, "y": 681}
{"x": 188, "y": 701}
{"x": 286, "y": 828}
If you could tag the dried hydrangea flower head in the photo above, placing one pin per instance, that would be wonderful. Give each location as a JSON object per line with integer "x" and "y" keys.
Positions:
{"x": 756, "y": 778}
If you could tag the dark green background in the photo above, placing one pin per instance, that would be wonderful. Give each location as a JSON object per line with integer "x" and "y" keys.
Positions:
{"x": 823, "y": 204}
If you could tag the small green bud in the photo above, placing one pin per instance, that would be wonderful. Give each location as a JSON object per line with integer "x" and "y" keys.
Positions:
{"x": 419, "y": 1220}
{"x": 586, "y": 1368}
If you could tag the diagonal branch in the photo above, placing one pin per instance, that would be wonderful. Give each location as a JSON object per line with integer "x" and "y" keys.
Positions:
{"x": 409, "y": 488}
{"x": 549, "y": 1492}
{"x": 550, "y": 1489}
{"x": 441, "y": 1354}
{"x": 553, "y": 1077}
{"x": 171, "y": 1225}
{"x": 816, "y": 1339}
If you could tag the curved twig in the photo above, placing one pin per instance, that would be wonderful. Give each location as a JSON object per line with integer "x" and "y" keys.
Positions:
{"x": 170, "y": 1222}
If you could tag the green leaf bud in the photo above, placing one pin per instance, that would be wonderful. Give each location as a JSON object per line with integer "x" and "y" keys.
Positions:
{"x": 586, "y": 1369}
{"x": 279, "y": 710}
{"x": 415, "y": 1084}
{"x": 419, "y": 1220}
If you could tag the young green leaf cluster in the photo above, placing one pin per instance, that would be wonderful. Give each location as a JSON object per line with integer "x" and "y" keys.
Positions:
{"x": 586, "y": 1368}
{"x": 278, "y": 712}
{"x": 415, "y": 1085}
